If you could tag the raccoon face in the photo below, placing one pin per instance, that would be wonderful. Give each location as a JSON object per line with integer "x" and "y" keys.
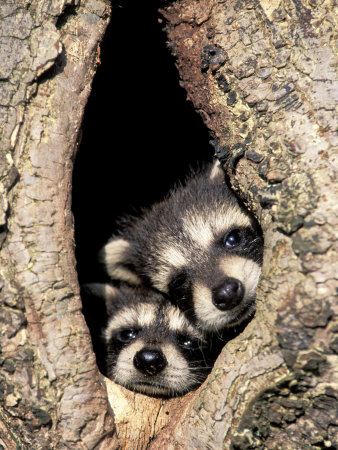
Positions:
{"x": 151, "y": 346}
{"x": 217, "y": 288}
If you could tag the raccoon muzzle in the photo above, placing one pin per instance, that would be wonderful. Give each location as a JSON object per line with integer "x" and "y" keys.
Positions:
{"x": 150, "y": 361}
{"x": 228, "y": 295}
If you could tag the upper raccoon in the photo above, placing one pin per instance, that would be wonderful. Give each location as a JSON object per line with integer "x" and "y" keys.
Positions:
{"x": 151, "y": 346}
{"x": 199, "y": 246}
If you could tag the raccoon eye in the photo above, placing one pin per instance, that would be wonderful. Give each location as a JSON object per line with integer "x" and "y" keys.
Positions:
{"x": 233, "y": 239}
{"x": 127, "y": 335}
{"x": 187, "y": 342}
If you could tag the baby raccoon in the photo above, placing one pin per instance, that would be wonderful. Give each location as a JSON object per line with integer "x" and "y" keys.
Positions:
{"x": 198, "y": 246}
{"x": 151, "y": 346}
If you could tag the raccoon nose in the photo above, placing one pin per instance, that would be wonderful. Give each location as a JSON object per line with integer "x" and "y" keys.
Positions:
{"x": 228, "y": 295}
{"x": 149, "y": 361}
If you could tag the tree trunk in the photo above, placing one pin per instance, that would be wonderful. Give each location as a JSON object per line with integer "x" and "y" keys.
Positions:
{"x": 51, "y": 393}
{"x": 261, "y": 74}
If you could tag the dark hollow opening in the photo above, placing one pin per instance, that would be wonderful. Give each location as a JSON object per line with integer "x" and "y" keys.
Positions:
{"x": 140, "y": 136}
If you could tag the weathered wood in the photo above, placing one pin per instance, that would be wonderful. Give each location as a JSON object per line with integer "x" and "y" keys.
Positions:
{"x": 52, "y": 396}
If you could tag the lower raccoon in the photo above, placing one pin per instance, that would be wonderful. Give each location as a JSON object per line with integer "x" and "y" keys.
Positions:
{"x": 151, "y": 346}
{"x": 198, "y": 246}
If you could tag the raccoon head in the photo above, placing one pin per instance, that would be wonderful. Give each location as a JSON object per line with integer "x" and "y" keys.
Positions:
{"x": 152, "y": 348}
{"x": 200, "y": 247}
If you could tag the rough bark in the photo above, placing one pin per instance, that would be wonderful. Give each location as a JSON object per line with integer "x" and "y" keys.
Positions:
{"x": 261, "y": 74}
{"x": 51, "y": 393}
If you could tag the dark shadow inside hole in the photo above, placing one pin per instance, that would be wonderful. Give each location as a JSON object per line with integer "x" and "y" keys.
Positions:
{"x": 140, "y": 136}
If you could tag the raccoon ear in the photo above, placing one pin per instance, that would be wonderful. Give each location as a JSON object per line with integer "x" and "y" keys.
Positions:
{"x": 104, "y": 291}
{"x": 116, "y": 255}
{"x": 216, "y": 173}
